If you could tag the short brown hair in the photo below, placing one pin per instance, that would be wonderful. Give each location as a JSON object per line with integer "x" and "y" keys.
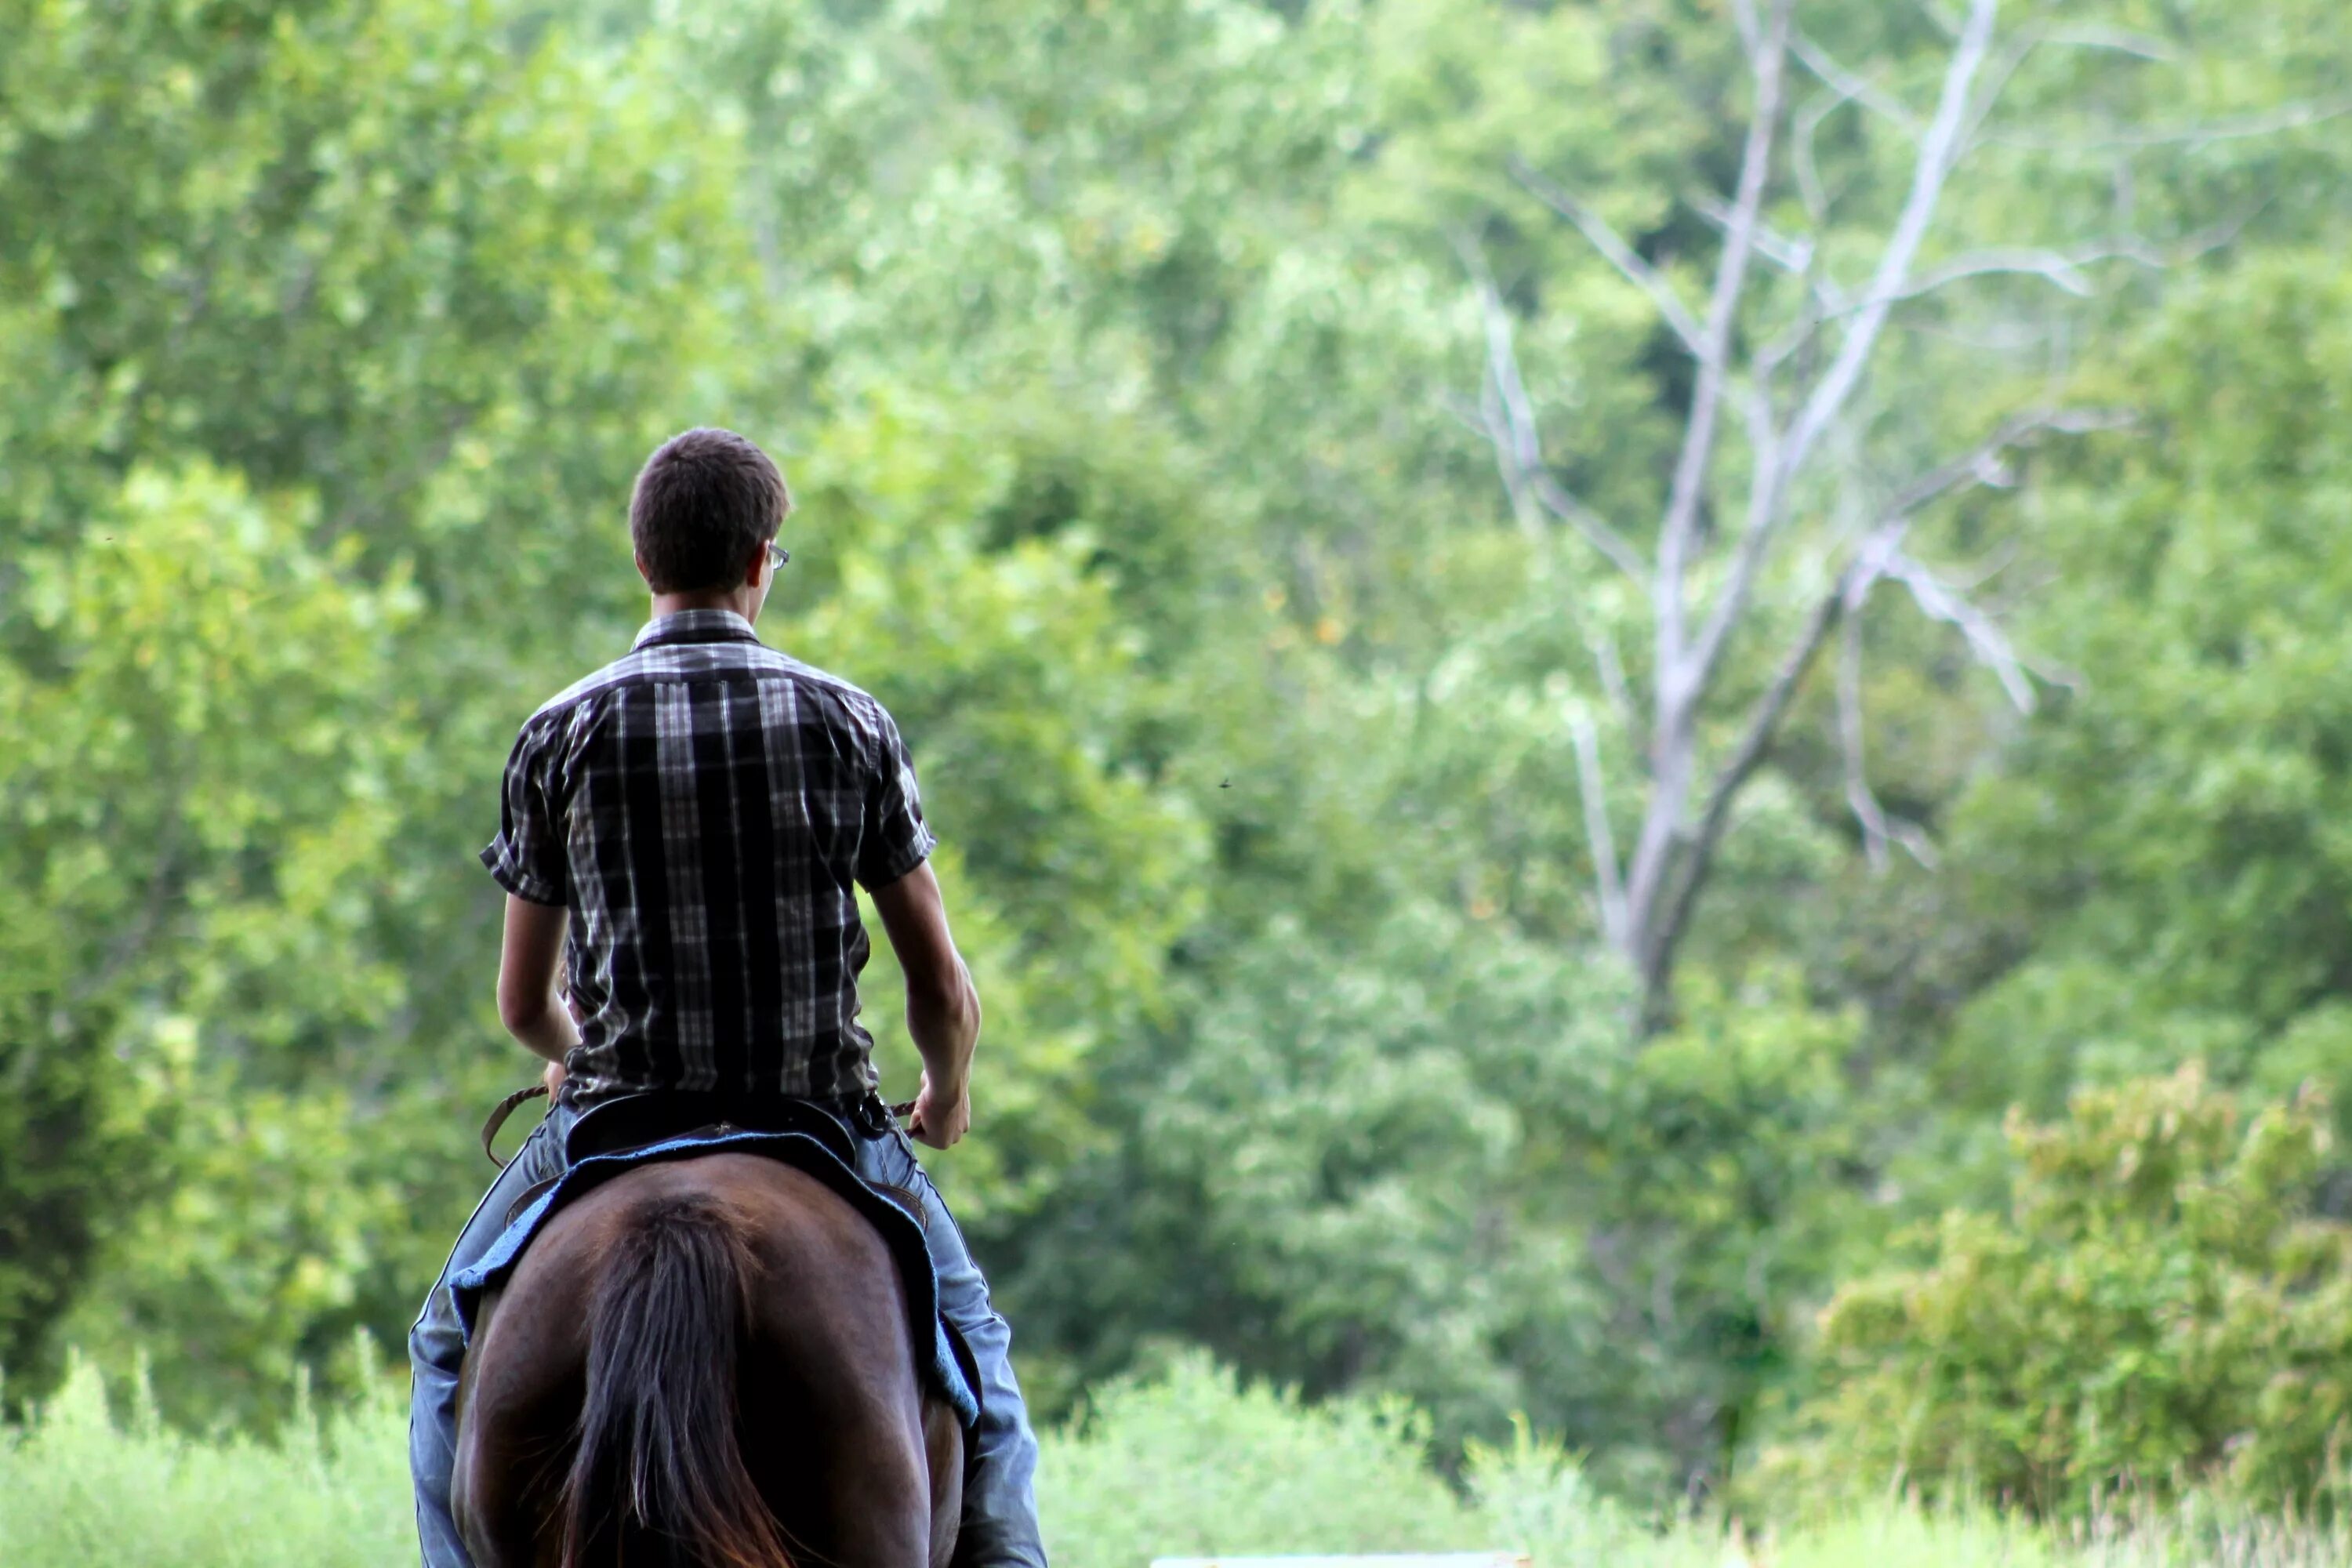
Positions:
{"x": 703, "y": 502}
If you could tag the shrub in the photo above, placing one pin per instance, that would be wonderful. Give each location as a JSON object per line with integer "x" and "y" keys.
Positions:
{"x": 1195, "y": 1464}
{"x": 2159, "y": 1308}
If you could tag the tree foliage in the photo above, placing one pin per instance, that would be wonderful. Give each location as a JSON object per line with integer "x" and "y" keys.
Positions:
{"x": 2173, "y": 835}
{"x": 1127, "y": 363}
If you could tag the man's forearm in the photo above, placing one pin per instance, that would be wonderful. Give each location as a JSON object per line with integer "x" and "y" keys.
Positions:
{"x": 945, "y": 1025}
{"x": 530, "y": 954}
{"x": 942, "y": 1005}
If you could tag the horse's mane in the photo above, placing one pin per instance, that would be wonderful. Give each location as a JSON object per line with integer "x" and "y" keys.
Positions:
{"x": 659, "y": 1479}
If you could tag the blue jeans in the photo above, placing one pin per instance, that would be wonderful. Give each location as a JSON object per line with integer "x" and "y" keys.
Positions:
{"x": 999, "y": 1501}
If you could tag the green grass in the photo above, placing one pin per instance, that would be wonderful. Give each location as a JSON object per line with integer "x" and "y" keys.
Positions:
{"x": 1186, "y": 1466}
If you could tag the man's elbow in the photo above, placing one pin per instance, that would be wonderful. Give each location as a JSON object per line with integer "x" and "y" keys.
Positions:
{"x": 949, "y": 996}
{"x": 522, "y": 1011}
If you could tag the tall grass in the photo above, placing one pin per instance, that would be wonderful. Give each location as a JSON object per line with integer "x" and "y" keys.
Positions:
{"x": 1186, "y": 1466}
{"x": 78, "y": 1489}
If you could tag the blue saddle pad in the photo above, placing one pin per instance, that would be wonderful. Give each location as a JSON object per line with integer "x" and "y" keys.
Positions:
{"x": 949, "y": 1368}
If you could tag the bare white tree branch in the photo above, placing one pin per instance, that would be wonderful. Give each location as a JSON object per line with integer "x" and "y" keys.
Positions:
{"x": 1492, "y": 421}
{"x": 1938, "y": 151}
{"x": 2288, "y": 117}
{"x": 1657, "y": 945}
{"x": 1618, "y": 253}
{"x": 1792, "y": 364}
{"x": 1879, "y": 556}
{"x": 1608, "y": 884}
{"x": 2064, "y": 271}
{"x": 1986, "y": 463}
{"x": 1877, "y": 828}
{"x": 1673, "y": 737}
{"x": 1713, "y": 351}
{"x": 1504, "y": 415}
{"x": 1769, "y": 489}
{"x": 1851, "y": 85}
{"x": 2065, "y": 268}
{"x": 1858, "y": 796}
{"x": 2116, "y": 40}
{"x": 1612, "y": 670}
{"x": 1843, "y": 597}
{"x": 1802, "y": 333}
{"x": 1508, "y": 416}
{"x": 2020, "y": 48}
{"x": 1743, "y": 16}
{"x": 1789, "y": 254}
{"x": 1987, "y": 641}
{"x": 1804, "y": 159}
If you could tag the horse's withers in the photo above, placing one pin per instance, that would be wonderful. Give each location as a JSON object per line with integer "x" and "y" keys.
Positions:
{"x": 706, "y": 1361}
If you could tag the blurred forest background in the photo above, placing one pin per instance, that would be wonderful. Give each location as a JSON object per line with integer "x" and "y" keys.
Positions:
{"x": 1639, "y": 707}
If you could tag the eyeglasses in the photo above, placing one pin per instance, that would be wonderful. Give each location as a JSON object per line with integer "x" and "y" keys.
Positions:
{"x": 777, "y": 555}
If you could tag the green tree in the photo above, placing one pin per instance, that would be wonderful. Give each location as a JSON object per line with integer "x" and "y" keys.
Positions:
{"x": 198, "y": 757}
{"x": 2165, "y": 851}
{"x": 386, "y": 305}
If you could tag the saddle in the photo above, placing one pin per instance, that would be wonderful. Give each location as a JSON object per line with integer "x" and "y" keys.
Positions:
{"x": 618, "y": 1135}
{"x": 634, "y": 1122}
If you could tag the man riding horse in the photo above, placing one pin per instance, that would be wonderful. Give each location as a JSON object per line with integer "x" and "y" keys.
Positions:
{"x": 681, "y": 835}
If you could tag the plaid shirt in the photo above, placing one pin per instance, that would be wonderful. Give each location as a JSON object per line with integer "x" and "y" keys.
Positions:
{"x": 702, "y": 807}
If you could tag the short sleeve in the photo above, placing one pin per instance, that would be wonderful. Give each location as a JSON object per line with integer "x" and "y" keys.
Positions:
{"x": 893, "y": 839}
{"x": 527, "y": 858}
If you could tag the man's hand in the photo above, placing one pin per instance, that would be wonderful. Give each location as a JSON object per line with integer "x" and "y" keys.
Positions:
{"x": 937, "y": 1121}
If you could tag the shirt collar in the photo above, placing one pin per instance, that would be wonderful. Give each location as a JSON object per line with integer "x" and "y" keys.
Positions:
{"x": 696, "y": 625}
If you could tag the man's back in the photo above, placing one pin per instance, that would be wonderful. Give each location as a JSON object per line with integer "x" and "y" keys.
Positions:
{"x": 704, "y": 807}
{"x": 687, "y": 828}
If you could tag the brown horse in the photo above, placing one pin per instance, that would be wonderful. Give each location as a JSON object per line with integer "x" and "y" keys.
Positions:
{"x": 704, "y": 1365}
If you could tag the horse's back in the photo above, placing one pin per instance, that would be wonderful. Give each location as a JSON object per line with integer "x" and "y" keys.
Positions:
{"x": 622, "y": 1301}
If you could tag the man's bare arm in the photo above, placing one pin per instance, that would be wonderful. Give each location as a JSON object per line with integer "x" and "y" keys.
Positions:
{"x": 942, "y": 1005}
{"x": 529, "y": 956}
